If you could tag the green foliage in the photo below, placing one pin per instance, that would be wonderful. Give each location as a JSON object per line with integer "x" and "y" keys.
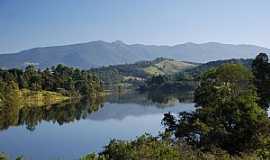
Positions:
{"x": 137, "y": 72}
{"x": 60, "y": 78}
{"x": 182, "y": 76}
{"x": 234, "y": 78}
{"x": 261, "y": 71}
{"x": 3, "y": 156}
{"x": 10, "y": 94}
{"x": 199, "y": 70}
{"x": 144, "y": 147}
{"x": 20, "y": 158}
{"x": 156, "y": 80}
{"x": 147, "y": 147}
{"x": 168, "y": 84}
{"x": 116, "y": 74}
{"x": 228, "y": 116}
{"x": 93, "y": 156}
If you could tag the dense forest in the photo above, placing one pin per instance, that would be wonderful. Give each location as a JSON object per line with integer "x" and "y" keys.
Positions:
{"x": 197, "y": 71}
{"x": 62, "y": 79}
{"x": 116, "y": 73}
{"x": 137, "y": 72}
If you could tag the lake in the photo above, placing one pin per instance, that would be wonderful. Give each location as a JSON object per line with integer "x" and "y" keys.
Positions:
{"x": 70, "y": 131}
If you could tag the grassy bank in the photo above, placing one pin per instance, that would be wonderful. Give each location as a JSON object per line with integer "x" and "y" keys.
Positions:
{"x": 29, "y": 98}
{"x": 41, "y": 98}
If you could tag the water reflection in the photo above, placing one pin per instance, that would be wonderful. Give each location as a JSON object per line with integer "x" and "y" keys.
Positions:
{"x": 158, "y": 98}
{"x": 120, "y": 106}
{"x": 66, "y": 112}
{"x": 69, "y": 130}
{"x": 70, "y": 111}
{"x": 168, "y": 98}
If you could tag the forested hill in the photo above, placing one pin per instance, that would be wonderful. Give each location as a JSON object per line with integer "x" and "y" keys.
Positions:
{"x": 161, "y": 66}
{"x": 141, "y": 70}
{"x": 100, "y": 53}
{"x": 196, "y": 71}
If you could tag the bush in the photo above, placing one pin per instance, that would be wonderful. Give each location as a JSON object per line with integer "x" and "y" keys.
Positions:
{"x": 147, "y": 147}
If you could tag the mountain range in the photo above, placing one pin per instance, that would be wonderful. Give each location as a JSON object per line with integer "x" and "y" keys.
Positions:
{"x": 100, "y": 53}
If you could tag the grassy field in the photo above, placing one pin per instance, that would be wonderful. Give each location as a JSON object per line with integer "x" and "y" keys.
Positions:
{"x": 168, "y": 67}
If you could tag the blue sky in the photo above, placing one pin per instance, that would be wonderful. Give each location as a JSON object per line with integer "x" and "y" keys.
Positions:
{"x": 35, "y": 23}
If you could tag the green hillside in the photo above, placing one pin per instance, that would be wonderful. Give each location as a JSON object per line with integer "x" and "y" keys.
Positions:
{"x": 128, "y": 73}
{"x": 198, "y": 70}
{"x": 168, "y": 66}
{"x": 135, "y": 74}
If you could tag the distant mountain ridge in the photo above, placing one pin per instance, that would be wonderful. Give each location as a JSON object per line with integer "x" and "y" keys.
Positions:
{"x": 100, "y": 53}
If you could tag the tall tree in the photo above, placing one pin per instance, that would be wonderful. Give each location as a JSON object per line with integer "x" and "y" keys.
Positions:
{"x": 261, "y": 71}
{"x": 227, "y": 117}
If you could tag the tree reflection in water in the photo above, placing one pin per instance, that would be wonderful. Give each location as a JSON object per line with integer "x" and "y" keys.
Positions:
{"x": 13, "y": 115}
{"x": 160, "y": 97}
{"x": 69, "y": 111}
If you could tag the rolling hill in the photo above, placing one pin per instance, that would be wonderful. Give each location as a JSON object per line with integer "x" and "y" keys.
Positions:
{"x": 100, "y": 53}
{"x": 168, "y": 66}
{"x": 141, "y": 70}
{"x": 198, "y": 70}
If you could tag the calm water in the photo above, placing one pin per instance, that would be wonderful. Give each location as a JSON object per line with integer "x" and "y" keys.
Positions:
{"x": 68, "y": 132}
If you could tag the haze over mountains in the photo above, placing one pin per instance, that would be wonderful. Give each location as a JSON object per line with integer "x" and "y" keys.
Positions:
{"x": 100, "y": 53}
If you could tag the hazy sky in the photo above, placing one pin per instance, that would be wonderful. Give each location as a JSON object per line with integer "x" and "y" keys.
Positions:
{"x": 33, "y": 23}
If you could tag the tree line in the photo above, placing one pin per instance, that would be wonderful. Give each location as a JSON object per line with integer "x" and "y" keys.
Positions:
{"x": 60, "y": 78}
